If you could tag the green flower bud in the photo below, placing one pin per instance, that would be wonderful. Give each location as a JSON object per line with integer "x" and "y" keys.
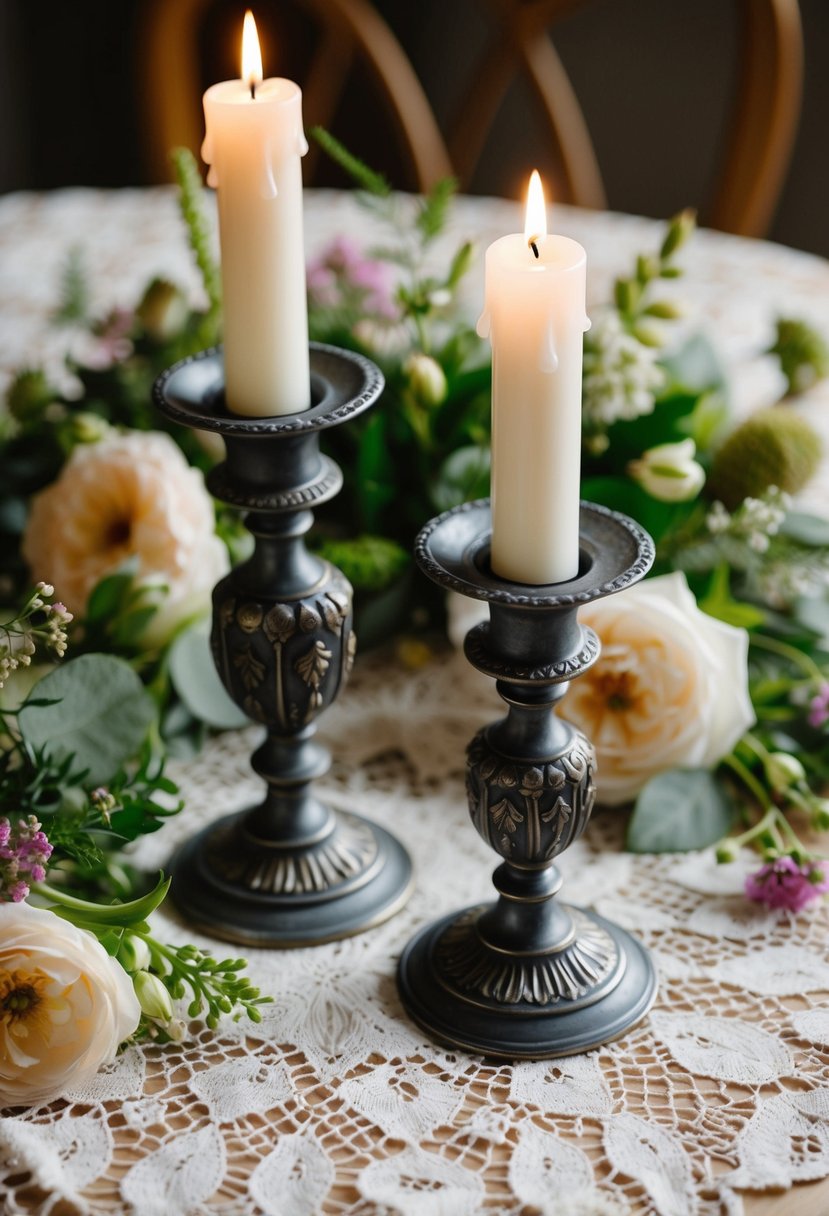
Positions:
{"x": 727, "y": 851}
{"x": 669, "y": 472}
{"x": 163, "y": 311}
{"x": 28, "y": 396}
{"x": 803, "y": 354}
{"x": 783, "y": 771}
{"x": 82, "y": 428}
{"x": 426, "y": 378}
{"x": 133, "y": 953}
{"x": 679, "y": 230}
{"x": 774, "y": 447}
{"x": 820, "y": 813}
{"x": 153, "y": 997}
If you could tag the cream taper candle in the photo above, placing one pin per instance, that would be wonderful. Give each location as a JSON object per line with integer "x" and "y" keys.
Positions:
{"x": 253, "y": 144}
{"x": 534, "y": 315}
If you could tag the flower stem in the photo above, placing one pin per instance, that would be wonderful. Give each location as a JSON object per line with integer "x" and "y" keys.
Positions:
{"x": 796, "y": 657}
{"x": 748, "y": 779}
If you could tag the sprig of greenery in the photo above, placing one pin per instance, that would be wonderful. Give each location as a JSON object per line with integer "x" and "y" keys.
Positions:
{"x": 191, "y": 202}
{"x": 367, "y": 179}
{"x": 74, "y": 307}
{"x": 634, "y": 297}
{"x": 803, "y": 354}
{"x": 216, "y": 986}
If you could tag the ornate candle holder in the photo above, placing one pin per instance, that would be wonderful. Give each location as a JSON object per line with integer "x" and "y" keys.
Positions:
{"x": 289, "y": 871}
{"x": 528, "y": 977}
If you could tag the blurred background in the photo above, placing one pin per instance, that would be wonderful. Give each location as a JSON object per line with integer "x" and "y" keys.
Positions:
{"x": 93, "y": 93}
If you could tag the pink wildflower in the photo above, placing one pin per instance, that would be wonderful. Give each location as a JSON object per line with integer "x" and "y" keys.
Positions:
{"x": 24, "y": 852}
{"x": 342, "y": 272}
{"x": 785, "y": 884}
{"x": 819, "y": 707}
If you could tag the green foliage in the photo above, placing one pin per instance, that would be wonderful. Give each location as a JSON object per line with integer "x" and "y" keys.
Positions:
{"x": 634, "y": 297}
{"x": 803, "y": 354}
{"x": 97, "y": 715}
{"x": 191, "y": 201}
{"x": 679, "y": 810}
{"x": 367, "y": 179}
{"x": 74, "y": 292}
{"x": 371, "y": 563}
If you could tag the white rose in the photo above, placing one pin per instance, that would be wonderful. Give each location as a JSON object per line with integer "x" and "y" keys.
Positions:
{"x": 670, "y": 689}
{"x": 65, "y": 1005}
{"x": 131, "y": 495}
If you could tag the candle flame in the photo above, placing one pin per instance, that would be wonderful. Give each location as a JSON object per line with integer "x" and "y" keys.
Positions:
{"x": 251, "y": 54}
{"x": 535, "y": 224}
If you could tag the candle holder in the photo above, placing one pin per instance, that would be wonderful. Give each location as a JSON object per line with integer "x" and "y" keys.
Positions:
{"x": 528, "y": 977}
{"x": 288, "y": 871}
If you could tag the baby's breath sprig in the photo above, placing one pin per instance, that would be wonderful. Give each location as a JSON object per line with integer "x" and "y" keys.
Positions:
{"x": 38, "y": 621}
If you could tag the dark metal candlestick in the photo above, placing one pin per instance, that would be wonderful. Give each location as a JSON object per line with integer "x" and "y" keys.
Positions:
{"x": 289, "y": 871}
{"x": 529, "y": 977}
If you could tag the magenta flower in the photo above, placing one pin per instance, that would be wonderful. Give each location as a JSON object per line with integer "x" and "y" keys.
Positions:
{"x": 785, "y": 884}
{"x": 24, "y": 852}
{"x": 819, "y": 707}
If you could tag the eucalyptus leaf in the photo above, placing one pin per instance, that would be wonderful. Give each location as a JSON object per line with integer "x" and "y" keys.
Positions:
{"x": 197, "y": 682}
{"x": 678, "y": 811}
{"x": 811, "y": 530}
{"x": 100, "y": 716}
{"x": 695, "y": 366}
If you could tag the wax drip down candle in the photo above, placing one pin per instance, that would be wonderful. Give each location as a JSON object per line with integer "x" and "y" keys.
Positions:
{"x": 254, "y": 143}
{"x": 534, "y": 315}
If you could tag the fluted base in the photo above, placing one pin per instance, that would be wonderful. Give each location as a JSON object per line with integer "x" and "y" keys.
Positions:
{"x": 463, "y": 992}
{"x": 241, "y": 888}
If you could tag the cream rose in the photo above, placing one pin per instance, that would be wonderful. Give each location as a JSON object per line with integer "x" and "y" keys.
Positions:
{"x": 670, "y": 688}
{"x": 65, "y": 1005}
{"x": 131, "y": 494}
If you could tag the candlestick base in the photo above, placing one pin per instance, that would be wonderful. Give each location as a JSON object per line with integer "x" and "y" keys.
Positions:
{"x": 528, "y": 977}
{"x": 289, "y": 871}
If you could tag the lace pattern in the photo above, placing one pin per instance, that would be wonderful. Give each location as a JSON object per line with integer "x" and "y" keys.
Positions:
{"x": 338, "y": 1104}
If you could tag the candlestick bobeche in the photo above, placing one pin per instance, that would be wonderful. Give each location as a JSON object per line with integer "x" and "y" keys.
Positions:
{"x": 288, "y": 871}
{"x": 529, "y": 977}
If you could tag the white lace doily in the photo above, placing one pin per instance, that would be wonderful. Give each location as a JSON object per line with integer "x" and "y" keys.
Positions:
{"x": 337, "y": 1104}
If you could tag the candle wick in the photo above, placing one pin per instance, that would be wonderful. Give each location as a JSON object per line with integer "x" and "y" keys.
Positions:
{"x": 253, "y": 98}
{"x": 532, "y": 244}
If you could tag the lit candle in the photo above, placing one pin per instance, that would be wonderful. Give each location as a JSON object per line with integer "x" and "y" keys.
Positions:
{"x": 253, "y": 145}
{"x": 534, "y": 315}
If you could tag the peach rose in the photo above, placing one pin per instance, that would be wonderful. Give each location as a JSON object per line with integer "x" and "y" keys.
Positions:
{"x": 670, "y": 688}
{"x": 65, "y": 1005}
{"x": 131, "y": 494}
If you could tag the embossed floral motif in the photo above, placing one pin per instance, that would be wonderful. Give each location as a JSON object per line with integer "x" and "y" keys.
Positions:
{"x": 249, "y": 616}
{"x": 311, "y": 668}
{"x": 280, "y": 624}
{"x": 251, "y": 669}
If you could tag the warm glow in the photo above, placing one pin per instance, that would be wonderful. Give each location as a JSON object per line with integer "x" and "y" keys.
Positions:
{"x": 535, "y": 225}
{"x": 251, "y": 54}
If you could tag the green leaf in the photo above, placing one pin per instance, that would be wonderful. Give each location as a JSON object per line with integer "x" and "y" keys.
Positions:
{"x": 108, "y": 596}
{"x": 197, "y": 682}
{"x": 679, "y": 810}
{"x": 718, "y": 602}
{"x": 806, "y": 529}
{"x": 462, "y": 477}
{"x": 101, "y": 719}
{"x": 695, "y": 366}
{"x": 431, "y": 218}
{"x": 126, "y": 915}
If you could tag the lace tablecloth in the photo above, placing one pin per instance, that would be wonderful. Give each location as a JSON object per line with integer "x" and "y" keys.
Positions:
{"x": 337, "y": 1103}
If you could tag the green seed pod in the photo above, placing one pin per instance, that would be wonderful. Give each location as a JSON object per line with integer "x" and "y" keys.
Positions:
{"x": 774, "y": 447}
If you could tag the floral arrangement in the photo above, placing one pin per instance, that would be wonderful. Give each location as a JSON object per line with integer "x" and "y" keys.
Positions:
{"x": 712, "y": 696}
{"x": 81, "y": 972}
